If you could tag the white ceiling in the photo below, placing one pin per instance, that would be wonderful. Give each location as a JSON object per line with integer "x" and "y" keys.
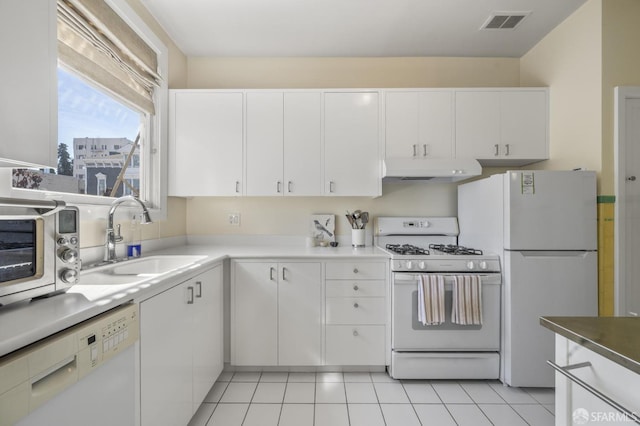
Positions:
{"x": 290, "y": 28}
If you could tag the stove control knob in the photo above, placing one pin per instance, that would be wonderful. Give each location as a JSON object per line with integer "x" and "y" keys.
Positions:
{"x": 409, "y": 264}
{"x": 483, "y": 265}
{"x": 422, "y": 265}
{"x": 470, "y": 265}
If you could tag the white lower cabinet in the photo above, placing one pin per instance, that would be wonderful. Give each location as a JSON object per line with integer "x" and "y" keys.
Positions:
{"x": 181, "y": 349}
{"x": 279, "y": 316}
{"x": 575, "y": 405}
{"x": 355, "y": 345}
{"x": 356, "y": 313}
{"x": 276, "y": 313}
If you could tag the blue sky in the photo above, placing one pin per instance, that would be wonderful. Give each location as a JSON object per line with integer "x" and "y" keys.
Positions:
{"x": 86, "y": 112}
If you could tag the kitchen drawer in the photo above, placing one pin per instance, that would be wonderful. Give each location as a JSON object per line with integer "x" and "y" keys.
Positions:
{"x": 355, "y": 310}
{"x": 356, "y": 270}
{"x": 356, "y": 288}
{"x": 355, "y": 345}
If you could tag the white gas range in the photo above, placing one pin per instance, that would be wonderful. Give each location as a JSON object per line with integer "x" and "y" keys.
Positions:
{"x": 420, "y": 247}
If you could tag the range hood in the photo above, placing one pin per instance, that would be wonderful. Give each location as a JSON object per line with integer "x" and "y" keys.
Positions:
{"x": 429, "y": 169}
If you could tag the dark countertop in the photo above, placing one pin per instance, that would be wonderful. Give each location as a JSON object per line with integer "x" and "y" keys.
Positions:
{"x": 615, "y": 338}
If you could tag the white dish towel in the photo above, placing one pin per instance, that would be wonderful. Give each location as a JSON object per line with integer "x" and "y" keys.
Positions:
{"x": 466, "y": 307}
{"x": 431, "y": 300}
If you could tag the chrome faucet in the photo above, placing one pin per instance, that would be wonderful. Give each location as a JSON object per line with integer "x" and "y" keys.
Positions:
{"x": 114, "y": 237}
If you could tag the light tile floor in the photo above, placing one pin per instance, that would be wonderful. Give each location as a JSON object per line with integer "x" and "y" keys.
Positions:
{"x": 368, "y": 399}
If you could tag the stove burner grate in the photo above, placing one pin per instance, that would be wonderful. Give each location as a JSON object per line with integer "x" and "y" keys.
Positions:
{"x": 407, "y": 249}
{"x": 455, "y": 250}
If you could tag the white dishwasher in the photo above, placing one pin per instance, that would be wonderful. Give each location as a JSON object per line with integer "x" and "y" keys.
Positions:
{"x": 84, "y": 375}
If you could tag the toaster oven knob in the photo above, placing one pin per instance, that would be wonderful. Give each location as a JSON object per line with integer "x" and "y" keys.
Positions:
{"x": 69, "y": 256}
{"x": 69, "y": 276}
{"x": 470, "y": 265}
{"x": 62, "y": 241}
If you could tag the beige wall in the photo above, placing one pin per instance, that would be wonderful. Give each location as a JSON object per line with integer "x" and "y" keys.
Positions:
{"x": 264, "y": 73}
{"x": 621, "y": 67}
{"x": 569, "y": 61}
{"x": 289, "y": 216}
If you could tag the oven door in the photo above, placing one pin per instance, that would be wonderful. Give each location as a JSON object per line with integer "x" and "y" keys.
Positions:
{"x": 26, "y": 255}
{"x": 410, "y": 335}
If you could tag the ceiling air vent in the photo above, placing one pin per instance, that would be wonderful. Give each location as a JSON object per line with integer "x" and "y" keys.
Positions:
{"x": 504, "y": 20}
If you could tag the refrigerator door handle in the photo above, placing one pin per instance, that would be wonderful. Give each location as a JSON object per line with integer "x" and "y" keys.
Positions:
{"x": 554, "y": 253}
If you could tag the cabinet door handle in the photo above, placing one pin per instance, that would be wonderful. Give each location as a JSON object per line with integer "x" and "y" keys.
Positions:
{"x": 425, "y": 149}
{"x": 278, "y": 184}
{"x": 289, "y": 186}
{"x": 190, "y": 298}
{"x": 198, "y": 289}
{"x": 355, "y": 270}
{"x": 237, "y": 187}
{"x": 595, "y": 392}
{"x": 415, "y": 150}
{"x": 355, "y": 305}
{"x": 331, "y": 186}
{"x": 496, "y": 146}
{"x": 355, "y": 287}
{"x": 355, "y": 333}
{"x": 284, "y": 270}
{"x": 271, "y": 271}
{"x": 507, "y": 149}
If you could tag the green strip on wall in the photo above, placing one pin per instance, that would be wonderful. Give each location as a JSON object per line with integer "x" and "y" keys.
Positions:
{"x": 606, "y": 199}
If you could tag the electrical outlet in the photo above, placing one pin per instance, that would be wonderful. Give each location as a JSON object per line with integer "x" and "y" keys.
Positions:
{"x": 234, "y": 219}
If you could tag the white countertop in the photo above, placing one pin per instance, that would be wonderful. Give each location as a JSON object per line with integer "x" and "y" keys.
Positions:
{"x": 26, "y": 322}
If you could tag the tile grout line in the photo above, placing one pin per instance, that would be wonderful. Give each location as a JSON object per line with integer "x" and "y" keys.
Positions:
{"x": 411, "y": 402}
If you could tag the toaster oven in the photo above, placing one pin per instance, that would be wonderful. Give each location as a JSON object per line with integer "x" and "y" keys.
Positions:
{"x": 39, "y": 249}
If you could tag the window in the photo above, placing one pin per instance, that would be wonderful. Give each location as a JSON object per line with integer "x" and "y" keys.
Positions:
{"x": 112, "y": 138}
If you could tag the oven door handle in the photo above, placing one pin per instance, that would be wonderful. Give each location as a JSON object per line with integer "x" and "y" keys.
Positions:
{"x": 44, "y": 207}
{"x": 404, "y": 278}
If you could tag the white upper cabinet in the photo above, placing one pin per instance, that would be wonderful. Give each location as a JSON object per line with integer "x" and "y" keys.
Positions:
{"x": 283, "y": 154}
{"x": 419, "y": 124}
{"x": 28, "y": 83}
{"x": 303, "y": 143}
{"x": 264, "y": 143}
{"x": 502, "y": 127}
{"x": 205, "y": 143}
{"x": 351, "y": 144}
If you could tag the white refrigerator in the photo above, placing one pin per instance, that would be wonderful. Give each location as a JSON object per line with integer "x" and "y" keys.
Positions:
{"x": 543, "y": 226}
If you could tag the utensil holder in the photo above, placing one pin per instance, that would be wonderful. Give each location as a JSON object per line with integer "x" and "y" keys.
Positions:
{"x": 358, "y": 237}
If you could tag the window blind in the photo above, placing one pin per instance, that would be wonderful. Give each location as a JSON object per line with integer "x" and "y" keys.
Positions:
{"x": 98, "y": 44}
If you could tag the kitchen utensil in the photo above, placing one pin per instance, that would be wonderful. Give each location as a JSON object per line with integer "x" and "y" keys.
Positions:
{"x": 365, "y": 219}
{"x": 350, "y": 219}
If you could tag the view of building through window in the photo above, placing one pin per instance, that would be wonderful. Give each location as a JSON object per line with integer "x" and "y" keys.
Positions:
{"x": 98, "y": 144}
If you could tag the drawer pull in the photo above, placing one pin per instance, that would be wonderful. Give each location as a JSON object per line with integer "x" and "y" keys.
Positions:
{"x": 595, "y": 392}
{"x": 355, "y": 287}
{"x": 355, "y": 333}
{"x": 355, "y": 270}
{"x": 355, "y": 305}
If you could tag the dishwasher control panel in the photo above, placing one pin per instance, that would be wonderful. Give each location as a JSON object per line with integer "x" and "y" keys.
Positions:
{"x": 105, "y": 337}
